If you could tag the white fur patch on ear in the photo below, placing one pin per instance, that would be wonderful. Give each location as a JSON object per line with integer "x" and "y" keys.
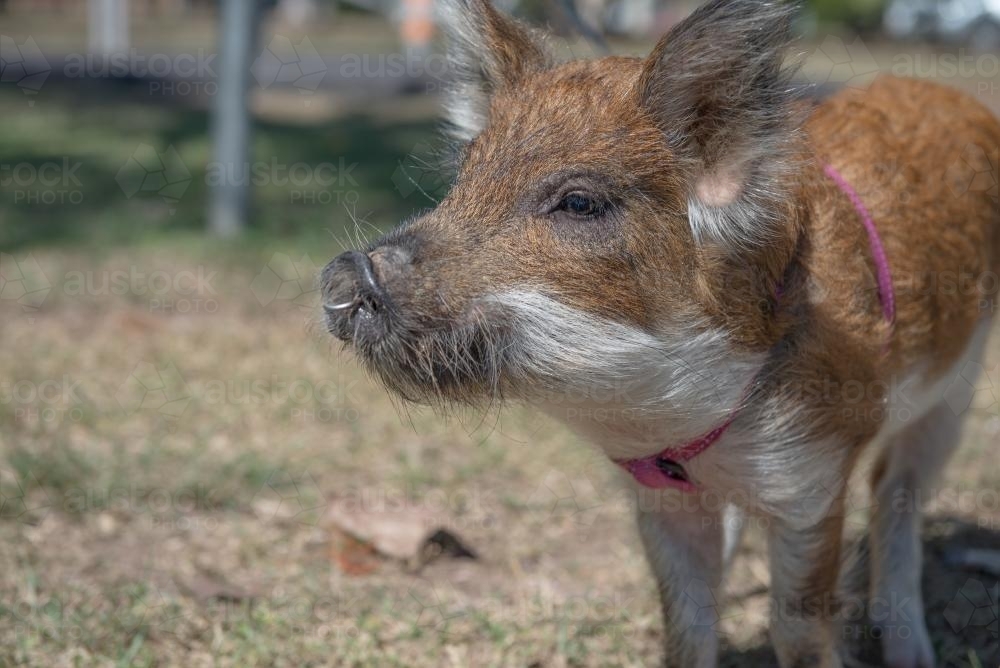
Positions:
{"x": 716, "y": 197}
{"x": 721, "y": 187}
{"x": 467, "y": 107}
{"x": 738, "y": 204}
{"x": 467, "y": 102}
{"x": 486, "y": 50}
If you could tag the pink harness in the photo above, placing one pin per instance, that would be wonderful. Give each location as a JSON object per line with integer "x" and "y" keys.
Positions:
{"x": 666, "y": 469}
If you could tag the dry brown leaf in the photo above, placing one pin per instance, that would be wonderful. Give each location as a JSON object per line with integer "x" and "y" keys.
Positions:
{"x": 411, "y": 535}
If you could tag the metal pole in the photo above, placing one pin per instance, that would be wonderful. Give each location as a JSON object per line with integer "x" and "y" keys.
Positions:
{"x": 231, "y": 118}
{"x": 108, "y": 26}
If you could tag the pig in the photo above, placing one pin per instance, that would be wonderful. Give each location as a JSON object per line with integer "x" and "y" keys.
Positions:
{"x": 728, "y": 269}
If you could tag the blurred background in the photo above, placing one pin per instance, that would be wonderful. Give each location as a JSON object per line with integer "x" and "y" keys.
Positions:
{"x": 192, "y": 473}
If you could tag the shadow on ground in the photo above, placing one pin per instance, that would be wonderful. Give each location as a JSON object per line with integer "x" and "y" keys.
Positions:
{"x": 961, "y": 606}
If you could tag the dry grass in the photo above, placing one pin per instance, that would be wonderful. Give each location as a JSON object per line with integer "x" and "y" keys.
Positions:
{"x": 189, "y": 529}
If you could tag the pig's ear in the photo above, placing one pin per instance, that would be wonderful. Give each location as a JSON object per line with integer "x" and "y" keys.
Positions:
{"x": 487, "y": 51}
{"x": 717, "y": 85}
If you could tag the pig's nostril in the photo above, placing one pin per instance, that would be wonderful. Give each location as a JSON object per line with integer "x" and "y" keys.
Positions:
{"x": 365, "y": 271}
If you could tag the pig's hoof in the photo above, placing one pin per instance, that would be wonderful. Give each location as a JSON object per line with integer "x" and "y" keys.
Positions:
{"x": 913, "y": 651}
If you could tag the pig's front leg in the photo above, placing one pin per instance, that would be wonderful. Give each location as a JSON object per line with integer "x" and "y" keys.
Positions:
{"x": 685, "y": 547}
{"x": 805, "y": 563}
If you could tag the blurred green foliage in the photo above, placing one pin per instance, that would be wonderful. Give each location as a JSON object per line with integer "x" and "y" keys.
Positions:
{"x": 857, "y": 14}
{"x": 64, "y": 155}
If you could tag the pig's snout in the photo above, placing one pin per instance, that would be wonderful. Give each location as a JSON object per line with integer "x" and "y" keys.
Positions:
{"x": 354, "y": 298}
{"x": 357, "y": 290}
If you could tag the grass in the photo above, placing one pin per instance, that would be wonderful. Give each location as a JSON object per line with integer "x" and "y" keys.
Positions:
{"x": 168, "y": 451}
{"x": 75, "y": 165}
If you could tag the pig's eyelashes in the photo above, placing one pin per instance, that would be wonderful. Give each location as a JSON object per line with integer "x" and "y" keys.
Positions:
{"x": 572, "y": 193}
{"x": 581, "y": 205}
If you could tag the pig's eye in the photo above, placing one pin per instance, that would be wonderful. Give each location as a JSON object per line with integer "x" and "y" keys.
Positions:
{"x": 580, "y": 204}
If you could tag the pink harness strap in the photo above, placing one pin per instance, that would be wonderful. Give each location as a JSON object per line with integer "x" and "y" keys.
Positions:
{"x": 885, "y": 289}
{"x": 666, "y": 469}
